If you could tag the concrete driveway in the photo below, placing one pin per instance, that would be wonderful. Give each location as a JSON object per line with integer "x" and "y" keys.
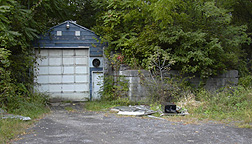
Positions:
{"x": 78, "y": 127}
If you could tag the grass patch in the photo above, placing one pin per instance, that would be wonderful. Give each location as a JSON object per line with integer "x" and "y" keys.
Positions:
{"x": 11, "y": 128}
{"x": 34, "y": 108}
{"x": 232, "y": 105}
{"x": 105, "y": 104}
{"x": 70, "y": 109}
{"x": 98, "y": 105}
{"x": 245, "y": 126}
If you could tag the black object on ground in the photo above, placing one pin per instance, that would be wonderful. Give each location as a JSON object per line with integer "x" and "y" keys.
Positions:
{"x": 169, "y": 107}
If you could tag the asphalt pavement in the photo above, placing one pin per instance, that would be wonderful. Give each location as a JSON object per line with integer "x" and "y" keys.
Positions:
{"x": 77, "y": 126}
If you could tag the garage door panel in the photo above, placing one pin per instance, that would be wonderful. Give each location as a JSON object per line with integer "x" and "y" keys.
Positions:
{"x": 81, "y": 70}
{"x": 68, "y": 70}
{"x": 68, "y": 61}
{"x": 55, "y": 61}
{"x": 81, "y": 87}
{"x": 64, "y": 72}
{"x": 42, "y": 79}
{"x": 81, "y": 78}
{"x": 68, "y": 79}
{"x": 43, "y": 70}
{"x": 55, "y": 79}
{"x": 43, "y": 88}
{"x": 55, "y": 70}
{"x": 82, "y": 61}
{"x": 68, "y": 88}
{"x": 44, "y": 53}
{"x": 76, "y": 96}
{"x": 69, "y": 52}
{"x": 81, "y": 52}
{"x": 42, "y": 62}
{"x": 55, "y": 88}
{"x": 55, "y": 52}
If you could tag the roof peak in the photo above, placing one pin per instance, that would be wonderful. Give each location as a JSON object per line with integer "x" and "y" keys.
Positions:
{"x": 72, "y": 22}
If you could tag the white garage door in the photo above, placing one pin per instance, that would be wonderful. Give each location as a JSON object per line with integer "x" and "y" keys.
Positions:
{"x": 64, "y": 73}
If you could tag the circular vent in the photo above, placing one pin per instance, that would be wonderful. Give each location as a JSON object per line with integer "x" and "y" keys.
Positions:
{"x": 96, "y": 62}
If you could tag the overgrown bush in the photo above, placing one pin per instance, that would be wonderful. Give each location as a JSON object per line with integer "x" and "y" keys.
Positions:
{"x": 167, "y": 90}
{"x": 114, "y": 88}
{"x": 7, "y": 88}
{"x": 159, "y": 84}
{"x": 15, "y": 96}
{"x": 23, "y": 104}
{"x": 246, "y": 81}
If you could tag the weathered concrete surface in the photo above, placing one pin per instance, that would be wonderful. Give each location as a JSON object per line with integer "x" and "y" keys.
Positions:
{"x": 99, "y": 128}
{"x": 138, "y": 88}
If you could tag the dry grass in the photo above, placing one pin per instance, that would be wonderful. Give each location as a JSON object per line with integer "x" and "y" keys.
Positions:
{"x": 218, "y": 108}
{"x": 11, "y": 128}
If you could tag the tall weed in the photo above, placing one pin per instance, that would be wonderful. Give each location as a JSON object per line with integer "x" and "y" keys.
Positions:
{"x": 232, "y": 103}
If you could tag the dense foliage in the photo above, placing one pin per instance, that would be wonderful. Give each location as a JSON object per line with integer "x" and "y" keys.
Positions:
{"x": 199, "y": 34}
{"x": 20, "y": 23}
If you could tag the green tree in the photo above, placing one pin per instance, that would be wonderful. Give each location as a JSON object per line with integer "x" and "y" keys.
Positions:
{"x": 242, "y": 12}
{"x": 83, "y": 11}
{"x": 20, "y": 23}
{"x": 199, "y": 34}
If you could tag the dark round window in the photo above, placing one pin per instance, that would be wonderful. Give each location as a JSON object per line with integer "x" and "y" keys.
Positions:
{"x": 96, "y": 62}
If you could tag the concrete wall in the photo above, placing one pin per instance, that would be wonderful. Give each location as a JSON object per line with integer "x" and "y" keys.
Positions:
{"x": 138, "y": 92}
{"x": 229, "y": 78}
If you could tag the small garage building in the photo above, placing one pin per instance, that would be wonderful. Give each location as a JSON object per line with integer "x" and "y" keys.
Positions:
{"x": 69, "y": 62}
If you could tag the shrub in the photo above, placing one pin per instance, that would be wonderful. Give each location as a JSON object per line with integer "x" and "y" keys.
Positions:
{"x": 246, "y": 81}
{"x": 114, "y": 88}
{"x": 160, "y": 85}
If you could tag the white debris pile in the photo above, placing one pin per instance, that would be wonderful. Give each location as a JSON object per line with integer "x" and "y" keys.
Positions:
{"x": 182, "y": 110}
{"x": 4, "y": 115}
{"x": 138, "y": 110}
{"x": 143, "y": 110}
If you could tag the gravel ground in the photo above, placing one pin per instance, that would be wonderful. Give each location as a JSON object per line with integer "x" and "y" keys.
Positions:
{"x": 78, "y": 126}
